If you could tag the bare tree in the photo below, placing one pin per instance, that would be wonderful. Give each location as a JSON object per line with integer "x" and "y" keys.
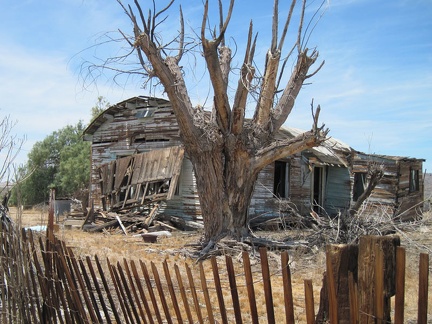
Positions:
{"x": 227, "y": 149}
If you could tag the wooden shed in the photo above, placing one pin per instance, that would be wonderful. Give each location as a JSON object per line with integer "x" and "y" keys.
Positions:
{"x": 137, "y": 157}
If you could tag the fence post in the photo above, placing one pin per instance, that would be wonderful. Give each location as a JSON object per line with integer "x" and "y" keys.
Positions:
{"x": 368, "y": 252}
{"x": 400, "y": 285}
{"x": 309, "y": 300}
{"x": 423, "y": 288}
{"x": 341, "y": 260}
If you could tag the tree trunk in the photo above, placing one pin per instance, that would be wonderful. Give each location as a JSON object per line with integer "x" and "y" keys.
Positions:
{"x": 225, "y": 180}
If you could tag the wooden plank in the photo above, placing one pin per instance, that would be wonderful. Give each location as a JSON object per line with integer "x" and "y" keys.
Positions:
{"x": 171, "y": 291}
{"x": 127, "y": 290}
{"x": 250, "y": 287}
{"x": 379, "y": 286}
{"x": 204, "y": 287}
{"x": 287, "y": 284}
{"x": 352, "y": 286}
{"x": 265, "y": 270}
{"x": 218, "y": 288}
{"x": 423, "y": 288}
{"x": 127, "y": 314}
{"x": 98, "y": 290}
{"x": 84, "y": 289}
{"x": 309, "y": 300}
{"x": 121, "y": 225}
{"x": 400, "y": 285}
{"x": 141, "y": 292}
{"x": 233, "y": 286}
{"x": 194, "y": 294}
{"x": 183, "y": 294}
{"x": 161, "y": 293}
{"x": 331, "y": 286}
{"x": 150, "y": 290}
{"x": 107, "y": 290}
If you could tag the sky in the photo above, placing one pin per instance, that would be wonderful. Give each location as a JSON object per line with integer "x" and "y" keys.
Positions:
{"x": 375, "y": 88}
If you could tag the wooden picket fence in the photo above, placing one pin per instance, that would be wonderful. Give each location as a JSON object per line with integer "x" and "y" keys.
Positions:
{"x": 42, "y": 281}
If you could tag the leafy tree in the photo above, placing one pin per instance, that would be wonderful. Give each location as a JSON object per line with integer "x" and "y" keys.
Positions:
{"x": 101, "y": 105}
{"x": 61, "y": 161}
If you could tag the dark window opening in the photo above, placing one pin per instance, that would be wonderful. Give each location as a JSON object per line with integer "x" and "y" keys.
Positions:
{"x": 281, "y": 179}
{"x": 359, "y": 185}
{"x": 145, "y": 140}
{"x": 414, "y": 181}
{"x": 317, "y": 191}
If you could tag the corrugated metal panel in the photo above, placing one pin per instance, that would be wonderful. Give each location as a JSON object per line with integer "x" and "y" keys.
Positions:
{"x": 337, "y": 195}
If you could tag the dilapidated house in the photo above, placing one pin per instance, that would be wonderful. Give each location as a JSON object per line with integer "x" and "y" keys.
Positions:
{"x": 138, "y": 161}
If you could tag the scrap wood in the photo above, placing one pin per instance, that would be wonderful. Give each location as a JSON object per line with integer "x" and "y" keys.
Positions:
{"x": 121, "y": 224}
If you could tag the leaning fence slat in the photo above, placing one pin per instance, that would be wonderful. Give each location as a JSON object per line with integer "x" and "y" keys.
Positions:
{"x": 204, "y": 287}
{"x": 90, "y": 290}
{"x": 86, "y": 297}
{"x": 150, "y": 290}
{"x": 98, "y": 290}
{"x": 194, "y": 294}
{"x": 107, "y": 290}
{"x": 161, "y": 292}
{"x": 126, "y": 289}
{"x": 127, "y": 315}
{"x": 423, "y": 288}
{"x": 288, "y": 296}
{"x": 400, "y": 285}
{"x": 233, "y": 287}
{"x": 265, "y": 270}
{"x": 141, "y": 292}
{"x": 134, "y": 292}
{"x": 250, "y": 287}
{"x": 31, "y": 283}
{"x": 218, "y": 287}
{"x": 183, "y": 294}
{"x": 73, "y": 289}
{"x": 309, "y": 301}
{"x": 172, "y": 292}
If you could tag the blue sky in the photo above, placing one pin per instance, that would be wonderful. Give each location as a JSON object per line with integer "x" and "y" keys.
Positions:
{"x": 375, "y": 89}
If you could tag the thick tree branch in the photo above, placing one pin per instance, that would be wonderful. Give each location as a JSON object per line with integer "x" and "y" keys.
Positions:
{"x": 246, "y": 75}
{"x": 287, "y": 100}
{"x": 375, "y": 174}
{"x": 214, "y": 65}
{"x": 287, "y": 147}
{"x": 169, "y": 74}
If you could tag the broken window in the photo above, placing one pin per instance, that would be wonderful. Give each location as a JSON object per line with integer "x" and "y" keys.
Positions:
{"x": 359, "y": 184}
{"x": 281, "y": 179}
{"x": 414, "y": 180}
{"x": 145, "y": 112}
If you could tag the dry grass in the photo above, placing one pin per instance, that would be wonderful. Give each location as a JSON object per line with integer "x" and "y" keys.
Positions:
{"x": 305, "y": 264}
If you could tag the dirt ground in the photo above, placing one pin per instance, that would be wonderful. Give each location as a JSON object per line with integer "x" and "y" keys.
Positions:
{"x": 304, "y": 264}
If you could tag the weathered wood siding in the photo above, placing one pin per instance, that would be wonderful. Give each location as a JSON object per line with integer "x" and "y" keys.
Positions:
{"x": 185, "y": 204}
{"x": 392, "y": 195}
{"x": 118, "y": 132}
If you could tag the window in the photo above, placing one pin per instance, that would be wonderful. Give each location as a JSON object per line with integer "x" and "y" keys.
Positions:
{"x": 281, "y": 179}
{"x": 359, "y": 185}
{"x": 414, "y": 180}
{"x": 145, "y": 112}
